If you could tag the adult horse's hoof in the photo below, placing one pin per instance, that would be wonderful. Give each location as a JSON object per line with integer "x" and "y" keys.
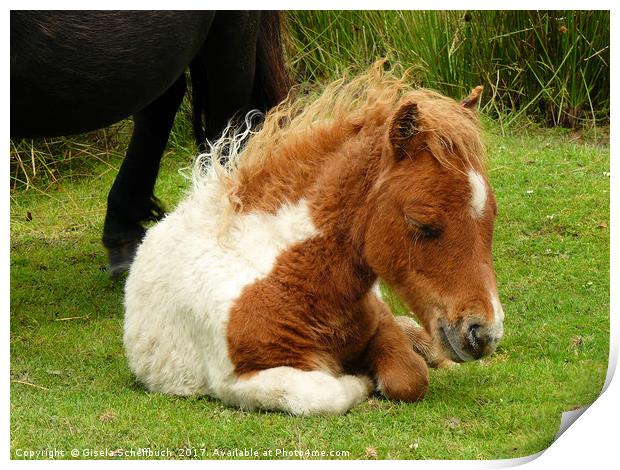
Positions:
{"x": 120, "y": 258}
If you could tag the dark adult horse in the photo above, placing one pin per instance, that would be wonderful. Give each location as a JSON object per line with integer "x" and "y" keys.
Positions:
{"x": 77, "y": 71}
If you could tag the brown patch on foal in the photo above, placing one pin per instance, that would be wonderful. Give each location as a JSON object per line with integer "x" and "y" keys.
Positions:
{"x": 286, "y": 319}
{"x": 294, "y": 166}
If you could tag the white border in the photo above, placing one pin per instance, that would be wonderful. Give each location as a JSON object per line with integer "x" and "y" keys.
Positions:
{"x": 590, "y": 443}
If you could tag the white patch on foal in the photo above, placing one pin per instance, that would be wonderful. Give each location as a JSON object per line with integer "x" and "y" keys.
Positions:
{"x": 179, "y": 292}
{"x": 376, "y": 289}
{"x": 478, "y": 192}
{"x": 302, "y": 392}
{"x": 498, "y": 311}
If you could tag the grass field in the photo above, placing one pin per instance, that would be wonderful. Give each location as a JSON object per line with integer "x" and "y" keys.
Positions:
{"x": 71, "y": 387}
{"x": 550, "y": 64}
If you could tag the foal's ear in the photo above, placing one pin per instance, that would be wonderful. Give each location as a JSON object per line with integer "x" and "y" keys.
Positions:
{"x": 405, "y": 126}
{"x": 472, "y": 100}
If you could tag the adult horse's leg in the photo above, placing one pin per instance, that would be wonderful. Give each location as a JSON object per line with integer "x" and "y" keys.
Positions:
{"x": 240, "y": 67}
{"x": 131, "y": 201}
{"x": 223, "y": 72}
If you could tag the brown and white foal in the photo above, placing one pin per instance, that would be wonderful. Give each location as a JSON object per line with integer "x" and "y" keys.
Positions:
{"x": 257, "y": 289}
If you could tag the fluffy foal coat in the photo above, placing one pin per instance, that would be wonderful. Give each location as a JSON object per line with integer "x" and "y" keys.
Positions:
{"x": 257, "y": 289}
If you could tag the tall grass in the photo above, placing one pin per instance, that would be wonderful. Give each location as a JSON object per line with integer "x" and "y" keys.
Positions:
{"x": 553, "y": 65}
{"x": 40, "y": 163}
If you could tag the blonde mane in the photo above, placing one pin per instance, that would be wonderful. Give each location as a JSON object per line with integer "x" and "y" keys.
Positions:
{"x": 304, "y": 128}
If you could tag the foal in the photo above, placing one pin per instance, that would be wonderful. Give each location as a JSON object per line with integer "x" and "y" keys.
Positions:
{"x": 257, "y": 289}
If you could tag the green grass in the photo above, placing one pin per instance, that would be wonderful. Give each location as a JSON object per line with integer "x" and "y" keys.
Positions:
{"x": 71, "y": 387}
{"x": 553, "y": 65}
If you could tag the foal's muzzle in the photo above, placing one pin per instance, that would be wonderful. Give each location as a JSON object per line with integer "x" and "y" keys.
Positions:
{"x": 470, "y": 339}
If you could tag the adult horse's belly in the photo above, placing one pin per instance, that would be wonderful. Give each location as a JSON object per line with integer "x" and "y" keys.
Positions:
{"x": 77, "y": 71}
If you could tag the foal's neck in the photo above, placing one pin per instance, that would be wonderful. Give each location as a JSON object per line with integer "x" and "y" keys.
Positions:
{"x": 340, "y": 205}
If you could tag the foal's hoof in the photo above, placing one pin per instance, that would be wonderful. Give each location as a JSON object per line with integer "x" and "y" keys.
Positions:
{"x": 422, "y": 343}
{"x": 120, "y": 258}
{"x": 446, "y": 364}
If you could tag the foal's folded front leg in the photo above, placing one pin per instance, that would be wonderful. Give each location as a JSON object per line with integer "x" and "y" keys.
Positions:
{"x": 400, "y": 372}
{"x": 422, "y": 343}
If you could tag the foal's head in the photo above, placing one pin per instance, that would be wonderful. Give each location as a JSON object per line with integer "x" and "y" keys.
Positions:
{"x": 430, "y": 231}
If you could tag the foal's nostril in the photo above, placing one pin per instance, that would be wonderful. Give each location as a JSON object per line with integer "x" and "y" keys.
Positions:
{"x": 473, "y": 335}
{"x": 476, "y": 340}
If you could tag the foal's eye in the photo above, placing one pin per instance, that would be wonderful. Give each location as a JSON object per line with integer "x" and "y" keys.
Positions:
{"x": 427, "y": 230}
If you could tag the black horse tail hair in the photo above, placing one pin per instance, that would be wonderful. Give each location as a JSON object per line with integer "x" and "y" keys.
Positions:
{"x": 272, "y": 82}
